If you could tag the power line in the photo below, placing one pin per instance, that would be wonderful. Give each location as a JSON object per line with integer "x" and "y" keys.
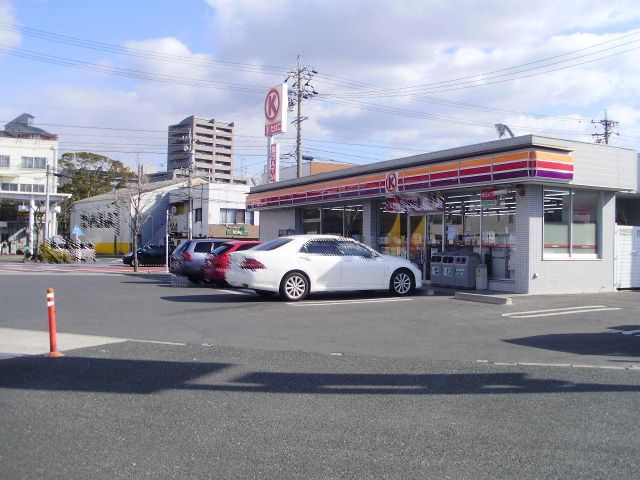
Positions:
{"x": 140, "y": 53}
{"x": 490, "y": 75}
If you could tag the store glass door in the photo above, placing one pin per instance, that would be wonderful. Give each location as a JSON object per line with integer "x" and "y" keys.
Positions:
{"x": 417, "y": 241}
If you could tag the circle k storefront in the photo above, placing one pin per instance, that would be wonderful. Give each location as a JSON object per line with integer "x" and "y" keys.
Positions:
{"x": 538, "y": 212}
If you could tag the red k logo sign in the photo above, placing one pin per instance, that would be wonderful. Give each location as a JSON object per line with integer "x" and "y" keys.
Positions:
{"x": 391, "y": 183}
{"x": 272, "y": 104}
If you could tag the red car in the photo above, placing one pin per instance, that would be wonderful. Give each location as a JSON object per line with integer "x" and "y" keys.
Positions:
{"x": 217, "y": 262}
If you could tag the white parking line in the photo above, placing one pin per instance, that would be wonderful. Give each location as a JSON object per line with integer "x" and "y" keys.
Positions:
{"x": 346, "y": 302}
{"x": 237, "y": 292}
{"x": 560, "y": 311}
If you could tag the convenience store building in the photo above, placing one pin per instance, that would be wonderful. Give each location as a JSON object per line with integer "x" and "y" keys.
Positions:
{"x": 541, "y": 211}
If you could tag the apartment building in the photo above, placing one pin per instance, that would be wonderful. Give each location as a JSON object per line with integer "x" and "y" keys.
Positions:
{"x": 212, "y": 142}
{"x": 25, "y": 153}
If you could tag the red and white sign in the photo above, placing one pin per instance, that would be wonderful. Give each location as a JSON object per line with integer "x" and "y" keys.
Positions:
{"x": 274, "y": 163}
{"x": 391, "y": 182}
{"x": 275, "y": 110}
{"x": 489, "y": 197}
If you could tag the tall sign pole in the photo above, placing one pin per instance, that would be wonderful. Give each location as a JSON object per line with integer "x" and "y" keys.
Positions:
{"x": 275, "y": 116}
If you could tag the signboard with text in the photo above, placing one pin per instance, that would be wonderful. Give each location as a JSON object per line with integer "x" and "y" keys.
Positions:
{"x": 274, "y": 162}
{"x": 275, "y": 110}
{"x": 489, "y": 197}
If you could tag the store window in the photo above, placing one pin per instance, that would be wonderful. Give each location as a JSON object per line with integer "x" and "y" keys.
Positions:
{"x": 570, "y": 222}
{"x": 353, "y": 222}
{"x": 311, "y": 220}
{"x": 198, "y": 215}
{"x": 393, "y": 234}
{"x": 584, "y": 223}
{"x": 332, "y": 220}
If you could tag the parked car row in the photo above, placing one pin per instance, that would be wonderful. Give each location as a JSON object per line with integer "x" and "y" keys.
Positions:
{"x": 152, "y": 254}
{"x": 295, "y": 266}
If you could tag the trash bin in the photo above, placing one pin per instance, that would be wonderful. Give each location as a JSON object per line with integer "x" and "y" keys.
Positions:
{"x": 436, "y": 269}
{"x": 448, "y": 270}
{"x": 465, "y": 265}
{"x": 482, "y": 280}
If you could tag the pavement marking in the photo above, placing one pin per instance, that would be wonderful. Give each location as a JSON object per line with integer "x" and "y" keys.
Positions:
{"x": 346, "y": 302}
{"x": 632, "y": 332}
{"x": 158, "y": 342}
{"x": 558, "y": 365}
{"x": 236, "y": 292}
{"x": 560, "y": 311}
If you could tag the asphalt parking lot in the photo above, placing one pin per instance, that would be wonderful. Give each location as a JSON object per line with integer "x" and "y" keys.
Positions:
{"x": 195, "y": 382}
{"x": 574, "y": 329}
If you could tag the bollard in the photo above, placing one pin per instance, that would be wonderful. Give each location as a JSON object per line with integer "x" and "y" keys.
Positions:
{"x": 53, "y": 341}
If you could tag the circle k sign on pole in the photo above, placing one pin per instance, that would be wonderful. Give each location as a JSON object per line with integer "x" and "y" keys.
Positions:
{"x": 275, "y": 110}
{"x": 391, "y": 183}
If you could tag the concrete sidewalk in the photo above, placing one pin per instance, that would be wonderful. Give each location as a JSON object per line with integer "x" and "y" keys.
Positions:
{"x": 15, "y": 342}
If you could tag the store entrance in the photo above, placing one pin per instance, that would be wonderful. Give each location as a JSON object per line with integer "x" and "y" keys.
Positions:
{"x": 425, "y": 236}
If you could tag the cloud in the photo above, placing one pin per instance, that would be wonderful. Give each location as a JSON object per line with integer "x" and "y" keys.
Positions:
{"x": 8, "y": 37}
{"x": 359, "y": 46}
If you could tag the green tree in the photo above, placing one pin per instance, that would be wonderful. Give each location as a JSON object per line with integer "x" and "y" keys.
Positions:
{"x": 86, "y": 174}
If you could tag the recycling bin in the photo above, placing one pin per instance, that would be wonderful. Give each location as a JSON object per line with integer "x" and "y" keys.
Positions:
{"x": 448, "y": 270}
{"x": 464, "y": 268}
{"x": 436, "y": 269}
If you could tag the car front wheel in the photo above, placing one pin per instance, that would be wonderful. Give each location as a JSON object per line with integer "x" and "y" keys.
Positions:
{"x": 402, "y": 283}
{"x": 294, "y": 286}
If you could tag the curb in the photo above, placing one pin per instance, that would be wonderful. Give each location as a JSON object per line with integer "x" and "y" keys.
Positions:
{"x": 476, "y": 297}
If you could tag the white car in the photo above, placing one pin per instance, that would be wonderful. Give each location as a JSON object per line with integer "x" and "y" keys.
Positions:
{"x": 297, "y": 265}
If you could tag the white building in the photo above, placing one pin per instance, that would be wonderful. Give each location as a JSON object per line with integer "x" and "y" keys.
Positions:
{"x": 25, "y": 154}
{"x": 218, "y": 211}
{"x": 107, "y": 220}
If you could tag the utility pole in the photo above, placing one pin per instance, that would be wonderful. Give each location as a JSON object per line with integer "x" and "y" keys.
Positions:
{"x": 46, "y": 204}
{"x": 189, "y": 147}
{"x": 608, "y": 126}
{"x": 302, "y": 89}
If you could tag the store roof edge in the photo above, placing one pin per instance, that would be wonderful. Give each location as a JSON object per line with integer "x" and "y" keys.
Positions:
{"x": 494, "y": 146}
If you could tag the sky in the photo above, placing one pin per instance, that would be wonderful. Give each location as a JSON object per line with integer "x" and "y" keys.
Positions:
{"x": 394, "y": 78}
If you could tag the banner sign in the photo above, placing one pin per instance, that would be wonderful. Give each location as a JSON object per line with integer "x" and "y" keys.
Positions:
{"x": 274, "y": 163}
{"x": 424, "y": 202}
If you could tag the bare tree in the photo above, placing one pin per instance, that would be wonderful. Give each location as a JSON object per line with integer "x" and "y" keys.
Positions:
{"x": 140, "y": 201}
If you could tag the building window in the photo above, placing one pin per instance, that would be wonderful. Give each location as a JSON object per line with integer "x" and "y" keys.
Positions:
{"x": 26, "y": 187}
{"x": 570, "y": 222}
{"x": 198, "y": 215}
{"x": 227, "y": 215}
{"x": 249, "y": 217}
{"x": 10, "y": 187}
{"x": 4, "y": 161}
{"x": 584, "y": 222}
{"x": 34, "y": 162}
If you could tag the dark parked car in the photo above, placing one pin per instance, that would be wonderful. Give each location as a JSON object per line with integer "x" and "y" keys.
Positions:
{"x": 217, "y": 262}
{"x": 190, "y": 255}
{"x": 153, "y": 254}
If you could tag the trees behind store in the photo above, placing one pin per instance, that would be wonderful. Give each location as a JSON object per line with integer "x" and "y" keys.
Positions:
{"x": 86, "y": 174}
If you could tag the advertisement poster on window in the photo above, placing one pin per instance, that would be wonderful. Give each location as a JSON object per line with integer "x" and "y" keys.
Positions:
{"x": 419, "y": 202}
